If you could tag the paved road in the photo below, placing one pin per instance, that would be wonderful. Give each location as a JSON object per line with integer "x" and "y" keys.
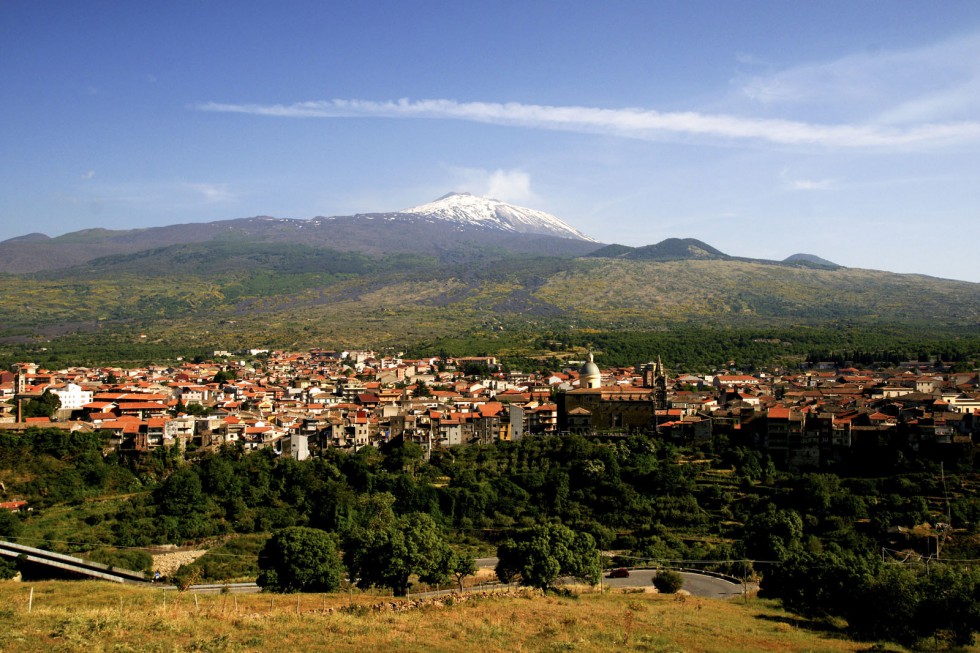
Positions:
{"x": 218, "y": 588}
{"x": 696, "y": 584}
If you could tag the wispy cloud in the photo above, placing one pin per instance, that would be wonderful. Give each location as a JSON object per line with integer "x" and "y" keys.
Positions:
{"x": 173, "y": 195}
{"x": 812, "y": 184}
{"x": 644, "y": 124}
{"x": 213, "y": 193}
{"x": 925, "y": 84}
{"x": 88, "y": 175}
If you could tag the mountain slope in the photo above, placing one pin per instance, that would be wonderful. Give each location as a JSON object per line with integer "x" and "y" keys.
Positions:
{"x": 294, "y": 295}
{"x": 375, "y": 234}
{"x": 458, "y": 265}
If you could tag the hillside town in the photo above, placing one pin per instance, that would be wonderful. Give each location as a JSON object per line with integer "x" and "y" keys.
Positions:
{"x": 300, "y": 402}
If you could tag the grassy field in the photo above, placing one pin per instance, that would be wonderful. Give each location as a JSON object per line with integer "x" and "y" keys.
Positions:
{"x": 94, "y": 617}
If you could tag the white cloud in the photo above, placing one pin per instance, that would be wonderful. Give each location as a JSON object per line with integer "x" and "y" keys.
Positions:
{"x": 506, "y": 185}
{"x": 510, "y": 185}
{"x": 213, "y": 193}
{"x": 646, "y": 124}
{"x": 88, "y": 175}
{"x": 153, "y": 195}
{"x": 812, "y": 184}
{"x": 938, "y": 82}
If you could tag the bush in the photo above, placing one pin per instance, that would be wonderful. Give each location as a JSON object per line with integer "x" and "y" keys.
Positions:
{"x": 8, "y": 569}
{"x": 186, "y": 576}
{"x": 235, "y": 560}
{"x": 10, "y": 525}
{"x": 123, "y": 559}
{"x": 667, "y": 581}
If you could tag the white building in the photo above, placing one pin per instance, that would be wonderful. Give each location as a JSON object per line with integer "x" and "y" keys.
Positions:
{"x": 72, "y": 396}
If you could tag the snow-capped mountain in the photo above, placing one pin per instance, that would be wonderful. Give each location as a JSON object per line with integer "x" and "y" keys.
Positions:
{"x": 486, "y": 213}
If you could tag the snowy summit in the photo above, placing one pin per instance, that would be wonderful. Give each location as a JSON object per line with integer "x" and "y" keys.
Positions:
{"x": 465, "y": 208}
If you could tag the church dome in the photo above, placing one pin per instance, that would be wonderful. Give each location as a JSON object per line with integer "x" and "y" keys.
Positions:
{"x": 589, "y": 375}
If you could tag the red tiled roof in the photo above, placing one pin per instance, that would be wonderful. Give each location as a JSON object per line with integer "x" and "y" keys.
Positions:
{"x": 142, "y": 405}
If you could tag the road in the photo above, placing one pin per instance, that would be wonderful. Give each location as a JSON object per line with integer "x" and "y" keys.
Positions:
{"x": 696, "y": 584}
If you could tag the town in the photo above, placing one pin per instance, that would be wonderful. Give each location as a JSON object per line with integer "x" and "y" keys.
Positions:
{"x": 298, "y": 403}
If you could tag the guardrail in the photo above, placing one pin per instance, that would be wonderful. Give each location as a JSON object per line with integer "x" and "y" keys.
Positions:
{"x": 689, "y": 570}
{"x": 705, "y": 572}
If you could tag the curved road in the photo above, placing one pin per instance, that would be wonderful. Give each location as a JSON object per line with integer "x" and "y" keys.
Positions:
{"x": 696, "y": 584}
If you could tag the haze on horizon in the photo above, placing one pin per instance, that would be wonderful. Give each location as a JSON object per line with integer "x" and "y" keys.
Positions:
{"x": 846, "y": 130}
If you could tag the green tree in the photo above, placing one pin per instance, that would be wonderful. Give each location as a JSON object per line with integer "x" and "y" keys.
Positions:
{"x": 8, "y": 569}
{"x": 300, "y": 559}
{"x": 773, "y": 534}
{"x": 388, "y": 553}
{"x": 817, "y": 584}
{"x": 950, "y": 607}
{"x": 223, "y": 376}
{"x": 542, "y": 554}
{"x": 889, "y": 607}
{"x": 10, "y": 525}
{"x": 181, "y": 494}
{"x": 44, "y": 406}
{"x": 462, "y": 567}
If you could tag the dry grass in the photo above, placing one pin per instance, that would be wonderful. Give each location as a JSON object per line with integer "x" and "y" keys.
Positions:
{"x": 95, "y": 617}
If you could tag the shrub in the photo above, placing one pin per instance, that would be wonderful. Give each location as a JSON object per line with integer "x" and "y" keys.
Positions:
{"x": 123, "y": 559}
{"x": 186, "y": 576}
{"x": 8, "y": 569}
{"x": 667, "y": 581}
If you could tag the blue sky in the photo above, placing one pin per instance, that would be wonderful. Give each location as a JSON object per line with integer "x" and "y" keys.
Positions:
{"x": 850, "y": 130}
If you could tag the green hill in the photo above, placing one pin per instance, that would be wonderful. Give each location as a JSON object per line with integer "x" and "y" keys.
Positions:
{"x": 239, "y": 292}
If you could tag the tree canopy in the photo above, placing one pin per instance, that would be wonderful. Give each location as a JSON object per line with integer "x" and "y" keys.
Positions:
{"x": 300, "y": 559}
{"x": 44, "y": 406}
{"x": 541, "y": 555}
{"x": 384, "y": 551}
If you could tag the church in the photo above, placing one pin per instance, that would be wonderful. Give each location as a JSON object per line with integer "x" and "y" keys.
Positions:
{"x": 593, "y": 407}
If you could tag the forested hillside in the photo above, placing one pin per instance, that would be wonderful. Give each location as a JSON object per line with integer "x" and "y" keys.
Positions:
{"x": 724, "y": 502}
